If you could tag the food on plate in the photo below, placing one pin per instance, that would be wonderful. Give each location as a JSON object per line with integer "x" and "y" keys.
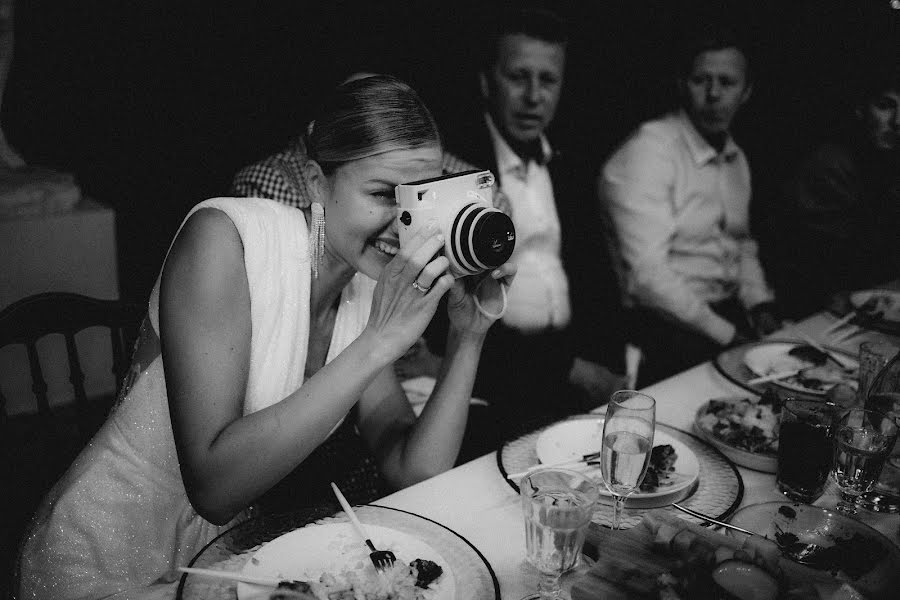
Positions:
{"x": 661, "y": 468}
{"x": 293, "y": 590}
{"x": 400, "y": 582}
{"x": 750, "y": 424}
{"x": 846, "y": 557}
{"x": 706, "y": 569}
{"x": 881, "y": 305}
{"x": 739, "y": 580}
{"x": 814, "y": 370}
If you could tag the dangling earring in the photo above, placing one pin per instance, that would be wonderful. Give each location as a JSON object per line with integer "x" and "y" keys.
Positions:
{"x": 317, "y": 236}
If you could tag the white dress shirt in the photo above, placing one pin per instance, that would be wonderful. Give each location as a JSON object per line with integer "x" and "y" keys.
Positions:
{"x": 539, "y": 295}
{"x": 680, "y": 211}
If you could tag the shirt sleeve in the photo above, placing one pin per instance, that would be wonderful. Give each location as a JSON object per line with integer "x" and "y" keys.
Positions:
{"x": 636, "y": 187}
{"x": 753, "y": 287}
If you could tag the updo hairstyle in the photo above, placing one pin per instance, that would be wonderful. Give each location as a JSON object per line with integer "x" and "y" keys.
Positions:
{"x": 368, "y": 116}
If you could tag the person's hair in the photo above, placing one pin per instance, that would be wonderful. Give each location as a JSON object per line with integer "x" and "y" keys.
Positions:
{"x": 707, "y": 37}
{"x": 874, "y": 80}
{"x": 367, "y": 116}
{"x": 538, "y": 23}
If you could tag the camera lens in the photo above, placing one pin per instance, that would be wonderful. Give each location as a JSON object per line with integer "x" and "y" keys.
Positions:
{"x": 481, "y": 238}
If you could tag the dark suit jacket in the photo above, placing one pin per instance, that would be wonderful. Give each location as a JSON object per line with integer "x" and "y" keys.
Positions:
{"x": 529, "y": 372}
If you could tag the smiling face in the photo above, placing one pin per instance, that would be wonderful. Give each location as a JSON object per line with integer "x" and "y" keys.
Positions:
{"x": 523, "y": 86}
{"x": 881, "y": 120}
{"x": 714, "y": 89}
{"x": 360, "y": 208}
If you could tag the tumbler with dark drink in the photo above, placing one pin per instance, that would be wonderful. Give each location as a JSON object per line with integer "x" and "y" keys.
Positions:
{"x": 805, "y": 451}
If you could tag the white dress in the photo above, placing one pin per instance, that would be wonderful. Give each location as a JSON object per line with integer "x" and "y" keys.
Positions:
{"x": 118, "y": 523}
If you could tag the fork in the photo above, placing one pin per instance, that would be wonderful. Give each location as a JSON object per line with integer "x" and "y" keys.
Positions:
{"x": 382, "y": 559}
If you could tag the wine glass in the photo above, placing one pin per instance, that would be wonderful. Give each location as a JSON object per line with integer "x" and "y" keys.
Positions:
{"x": 863, "y": 439}
{"x": 627, "y": 443}
{"x": 558, "y": 505}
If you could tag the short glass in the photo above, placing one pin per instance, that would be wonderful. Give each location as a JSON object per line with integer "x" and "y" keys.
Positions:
{"x": 805, "y": 453}
{"x": 557, "y": 505}
{"x": 863, "y": 438}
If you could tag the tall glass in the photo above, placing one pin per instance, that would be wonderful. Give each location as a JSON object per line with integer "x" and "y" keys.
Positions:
{"x": 627, "y": 443}
{"x": 862, "y": 441}
{"x": 805, "y": 451}
{"x": 558, "y": 505}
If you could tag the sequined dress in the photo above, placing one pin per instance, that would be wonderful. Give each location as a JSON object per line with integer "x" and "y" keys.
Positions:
{"x": 118, "y": 523}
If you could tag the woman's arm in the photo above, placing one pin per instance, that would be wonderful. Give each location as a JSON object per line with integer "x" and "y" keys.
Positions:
{"x": 410, "y": 450}
{"x": 228, "y": 459}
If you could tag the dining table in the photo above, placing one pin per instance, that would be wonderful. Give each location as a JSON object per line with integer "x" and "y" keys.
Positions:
{"x": 475, "y": 500}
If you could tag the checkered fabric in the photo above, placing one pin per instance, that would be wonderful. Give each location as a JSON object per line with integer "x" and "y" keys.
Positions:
{"x": 277, "y": 177}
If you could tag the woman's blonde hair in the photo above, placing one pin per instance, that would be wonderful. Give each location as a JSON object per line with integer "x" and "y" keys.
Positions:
{"x": 368, "y": 116}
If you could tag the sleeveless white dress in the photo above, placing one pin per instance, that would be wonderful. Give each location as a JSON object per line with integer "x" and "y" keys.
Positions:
{"x": 118, "y": 523}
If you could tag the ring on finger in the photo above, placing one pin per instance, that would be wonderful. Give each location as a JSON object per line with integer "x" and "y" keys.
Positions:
{"x": 420, "y": 287}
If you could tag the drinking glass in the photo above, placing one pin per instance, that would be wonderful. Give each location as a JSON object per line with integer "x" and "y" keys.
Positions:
{"x": 873, "y": 356}
{"x": 805, "y": 448}
{"x": 862, "y": 440}
{"x": 627, "y": 443}
{"x": 558, "y": 505}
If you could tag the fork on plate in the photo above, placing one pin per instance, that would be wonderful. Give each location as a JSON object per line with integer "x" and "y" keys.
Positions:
{"x": 382, "y": 559}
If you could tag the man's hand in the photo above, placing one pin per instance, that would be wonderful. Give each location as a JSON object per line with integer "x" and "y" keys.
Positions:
{"x": 597, "y": 381}
{"x": 763, "y": 318}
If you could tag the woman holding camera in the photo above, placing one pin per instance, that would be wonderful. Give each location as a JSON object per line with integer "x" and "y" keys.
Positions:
{"x": 265, "y": 336}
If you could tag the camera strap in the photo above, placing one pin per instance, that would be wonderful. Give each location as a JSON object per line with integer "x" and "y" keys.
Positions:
{"x": 481, "y": 309}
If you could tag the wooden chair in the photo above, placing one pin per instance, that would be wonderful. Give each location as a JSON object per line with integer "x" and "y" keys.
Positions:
{"x": 36, "y": 448}
{"x": 30, "y": 319}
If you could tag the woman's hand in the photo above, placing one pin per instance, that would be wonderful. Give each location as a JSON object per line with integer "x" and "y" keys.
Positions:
{"x": 408, "y": 292}
{"x": 463, "y": 312}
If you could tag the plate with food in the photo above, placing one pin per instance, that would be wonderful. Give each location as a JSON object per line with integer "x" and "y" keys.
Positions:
{"x": 330, "y": 561}
{"x": 743, "y": 428}
{"x": 882, "y": 305}
{"x": 802, "y": 367}
{"x": 667, "y": 558}
{"x": 829, "y": 543}
{"x": 672, "y": 471}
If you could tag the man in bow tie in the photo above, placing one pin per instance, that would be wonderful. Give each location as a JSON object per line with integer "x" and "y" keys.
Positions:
{"x": 676, "y": 196}
{"x": 543, "y": 359}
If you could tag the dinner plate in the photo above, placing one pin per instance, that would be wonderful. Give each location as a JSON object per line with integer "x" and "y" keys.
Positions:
{"x": 769, "y": 358}
{"x": 571, "y": 440}
{"x": 767, "y": 462}
{"x": 873, "y": 566}
{"x": 886, "y": 303}
{"x": 335, "y": 548}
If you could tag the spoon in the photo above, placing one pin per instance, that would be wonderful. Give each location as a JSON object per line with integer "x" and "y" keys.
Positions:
{"x": 804, "y": 554}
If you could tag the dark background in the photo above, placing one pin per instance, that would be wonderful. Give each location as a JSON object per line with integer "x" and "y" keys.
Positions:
{"x": 154, "y": 106}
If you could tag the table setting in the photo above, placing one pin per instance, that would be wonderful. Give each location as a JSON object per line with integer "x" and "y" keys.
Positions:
{"x": 706, "y": 472}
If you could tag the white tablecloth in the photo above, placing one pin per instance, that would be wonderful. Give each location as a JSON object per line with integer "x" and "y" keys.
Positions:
{"x": 475, "y": 501}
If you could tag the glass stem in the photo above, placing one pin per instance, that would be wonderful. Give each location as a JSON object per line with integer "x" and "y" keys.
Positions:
{"x": 617, "y": 511}
{"x": 549, "y": 586}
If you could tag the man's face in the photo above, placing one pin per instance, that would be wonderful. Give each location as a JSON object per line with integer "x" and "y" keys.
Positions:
{"x": 715, "y": 88}
{"x": 881, "y": 118}
{"x": 522, "y": 88}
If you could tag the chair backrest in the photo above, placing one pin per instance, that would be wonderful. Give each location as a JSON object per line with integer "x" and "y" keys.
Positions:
{"x": 28, "y": 320}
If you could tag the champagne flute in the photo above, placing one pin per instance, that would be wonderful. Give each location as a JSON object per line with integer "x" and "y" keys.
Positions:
{"x": 627, "y": 443}
{"x": 557, "y": 505}
{"x": 862, "y": 441}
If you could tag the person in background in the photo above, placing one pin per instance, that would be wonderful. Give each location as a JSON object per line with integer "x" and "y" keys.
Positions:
{"x": 270, "y": 336}
{"x": 675, "y": 196}
{"x": 545, "y": 356}
{"x": 838, "y": 223}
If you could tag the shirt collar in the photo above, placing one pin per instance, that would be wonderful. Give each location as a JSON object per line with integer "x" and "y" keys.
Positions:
{"x": 507, "y": 159}
{"x": 701, "y": 151}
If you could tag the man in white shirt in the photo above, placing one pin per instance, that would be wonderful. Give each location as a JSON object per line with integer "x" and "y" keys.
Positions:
{"x": 544, "y": 358}
{"x": 677, "y": 197}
